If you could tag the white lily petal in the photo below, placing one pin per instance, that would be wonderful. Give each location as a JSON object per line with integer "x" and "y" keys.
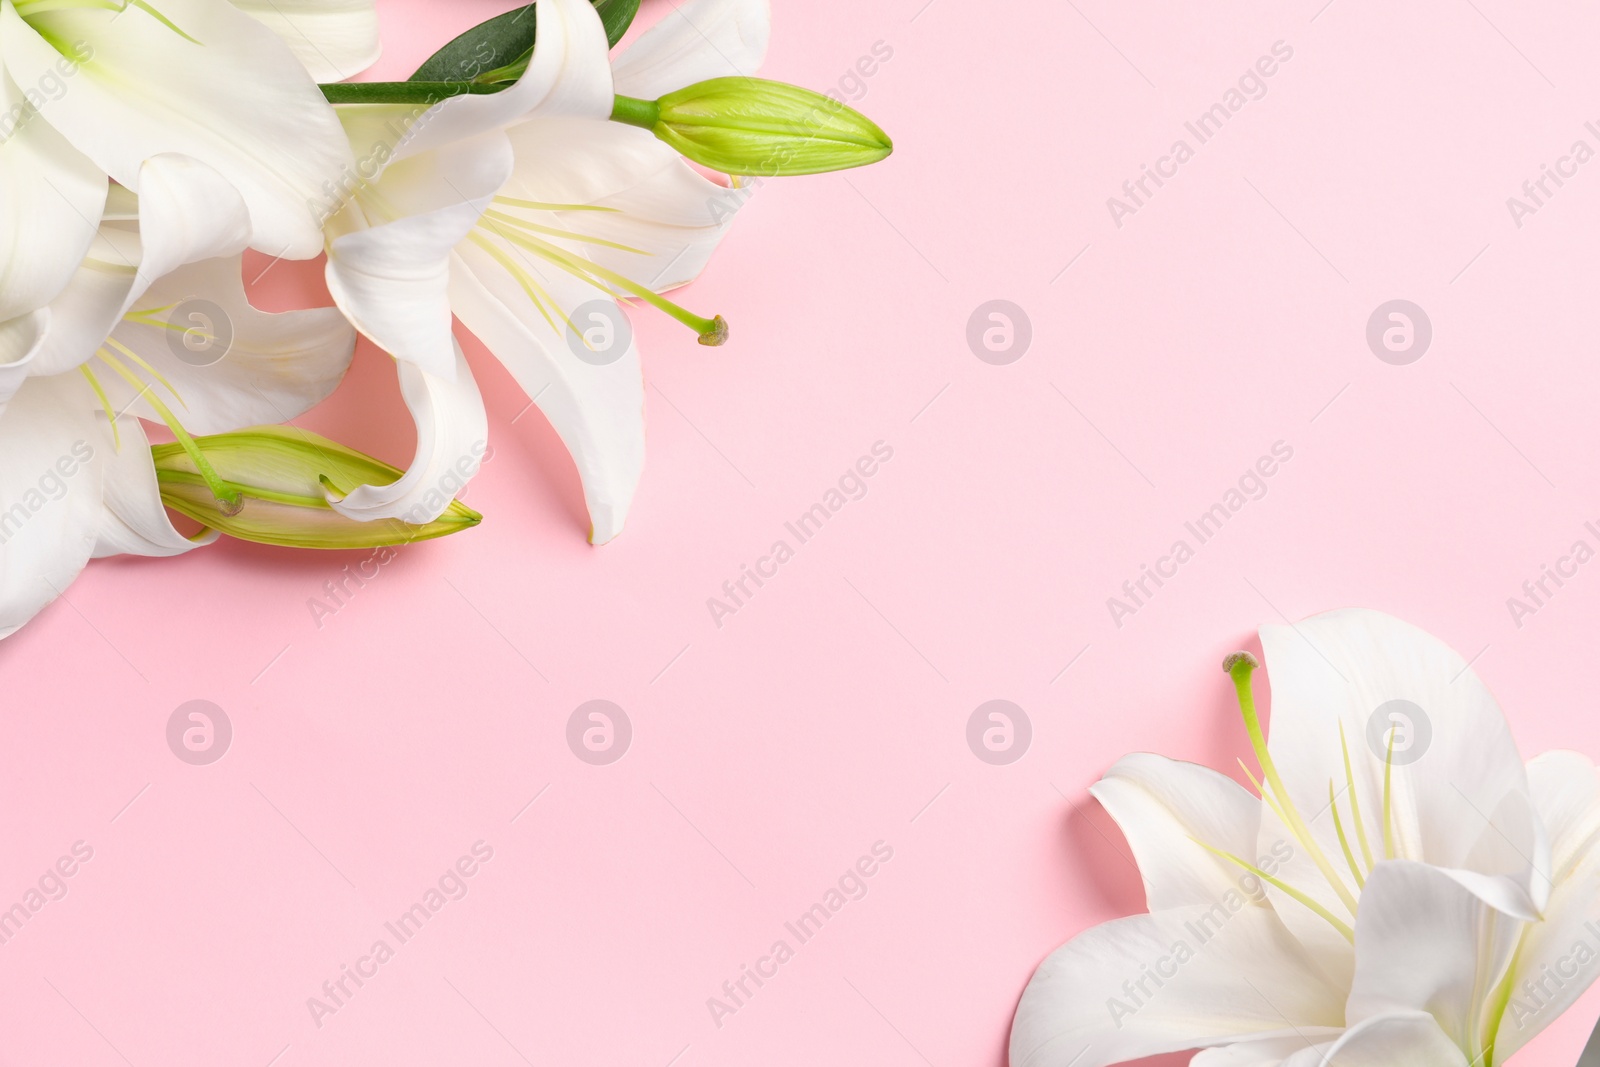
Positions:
{"x": 1558, "y": 961}
{"x": 1273, "y": 1052}
{"x": 238, "y": 101}
{"x": 694, "y": 42}
{"x": 133, "y": 520}
{"x": 598, "y": 410}
{"x": 1166, "y": 810}
{"x": 375, "y": 132}
{"x": 570, "y": 74}
{"x": 1566, "y": 793}
{"x": 668, "y": 216}
{"x": 334, "y": 39}
{"x": 392, "y": 279}
{"x": 51, "y": 197}
{"x": 20, "y": 341}
{"x": 452, "y": 436}
{"x": 223, "y": 364}
{"x": 1411, "y": 1039}
{"x": 92, "y": 302}
{"x": 1185, "y": 978}
{"x": 1332, "y": 953}
{"x": 1500, "y": 847}
{"x": 1424, "y": 943}
{"x": 1367, "y": 673}
{"x": 50, "y": 494}
{"x": 186, "y": 213}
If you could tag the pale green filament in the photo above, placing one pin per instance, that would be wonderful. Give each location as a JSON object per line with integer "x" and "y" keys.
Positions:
{"x": 230, "y": 498}
{"x": 1388, "y": 826}
{"x": 1265, "y": 796}
{"x": 29, "y": 8}
{"x": 556, "y": 231}
{"x": 540, "y": 205}
{"x": 1501, "y": 998}
{"x": 1355, "y": 801}
{"x": 595, "y": 274}
{"x": 157, "y": 375}
{"x": 530, "y": 285}
{"x": 142, "y": 5}
{"x": 1240, "y": 667}
{"x": 147, "y": 317}
{"x": 34, "y": 8}
{"x": 105, "y": 402}
{"x": 1344, "y": 929}
{"x": 1344, "y": 844}
{"x": 526, "y": 235}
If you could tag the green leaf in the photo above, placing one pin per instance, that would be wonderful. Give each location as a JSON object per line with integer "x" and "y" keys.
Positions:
{"x": 498, "y": 50}
{"x": 618, "y": 16}
{"x": 489, "y": 45}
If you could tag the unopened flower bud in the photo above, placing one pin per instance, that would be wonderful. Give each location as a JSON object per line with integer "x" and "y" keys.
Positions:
{"x": 280, "y": 477}
{"x": 751, "y": 126}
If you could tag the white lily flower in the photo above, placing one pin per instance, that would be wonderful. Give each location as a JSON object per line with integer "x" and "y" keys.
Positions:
{"x": 1404, "y": 892}
{"x": 93, "y": 88}
{"x": 334, "y": 39}
{"x": 154, "y": 323}
{"x": 517, "y": 209}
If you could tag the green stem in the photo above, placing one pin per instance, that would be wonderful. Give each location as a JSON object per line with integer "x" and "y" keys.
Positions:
{"x": 632, "y": 111}
{"x": 401, "y": 92}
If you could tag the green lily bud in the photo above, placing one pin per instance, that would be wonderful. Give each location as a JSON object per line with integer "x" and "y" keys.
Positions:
{"x": 277, "y": 477}
{"x": 750, "y": 126}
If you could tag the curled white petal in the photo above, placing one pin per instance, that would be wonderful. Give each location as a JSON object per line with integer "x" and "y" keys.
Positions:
{"x": 1170, "y": 812}
{"x": 569, "y": 74}
{"x": 51, "y": 481}
{"x": 392, "y": 279}
{"x": 133, "y": 520}
{"x": 452, "y": 438}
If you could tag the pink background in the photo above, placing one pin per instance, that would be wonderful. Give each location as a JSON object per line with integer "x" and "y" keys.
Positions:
{"x": 829, "y": 712}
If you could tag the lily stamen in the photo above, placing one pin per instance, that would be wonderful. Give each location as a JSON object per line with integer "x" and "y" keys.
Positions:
{"x": 537, "y": 294}
{"x": 556, "y": 231}
{"x": 1344, "y": 928}
{"x": 1264, "y": 794}
{"x": 226, "y": 496}
{"x": 148, "y": 369}
{"x": 1240, "y": 666}
{"x": 1355, "y": 801}
{"x": 105, "y": 403}
{"x": 540, "y": 205}
{"x": 148, "y": 317}
{"x": 712, "y": 331}
{"x": 1344, "y": 844}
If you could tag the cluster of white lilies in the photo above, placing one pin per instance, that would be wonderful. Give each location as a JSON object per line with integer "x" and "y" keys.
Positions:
{"x": 1399, "y": 890}
{"x": 146, "y": 144}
